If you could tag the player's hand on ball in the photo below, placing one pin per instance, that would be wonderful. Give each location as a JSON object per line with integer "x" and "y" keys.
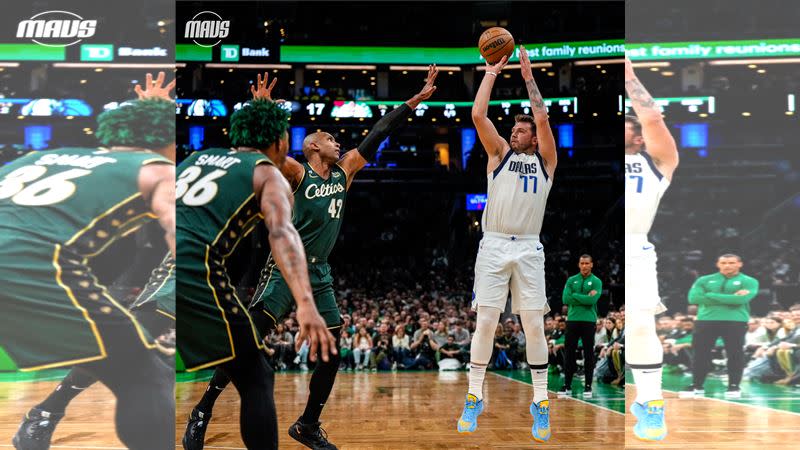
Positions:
{"x": 313, "y": 328}
{"x": 154, "y": 89}
{"x": 497, "y": 67}
{"x": 260, "y": 91}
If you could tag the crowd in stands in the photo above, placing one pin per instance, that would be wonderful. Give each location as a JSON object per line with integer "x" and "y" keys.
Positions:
{"x": 771, "y": 345}
{"x": 414, "y": 325}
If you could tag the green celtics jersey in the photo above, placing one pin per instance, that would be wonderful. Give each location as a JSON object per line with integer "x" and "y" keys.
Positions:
{"x": 319, "y": 210}
{"x": 214, "y": 199}
{"x": 81, "y": 198}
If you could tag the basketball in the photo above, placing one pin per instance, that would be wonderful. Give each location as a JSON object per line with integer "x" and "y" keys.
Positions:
{"x": 495, "y": 43}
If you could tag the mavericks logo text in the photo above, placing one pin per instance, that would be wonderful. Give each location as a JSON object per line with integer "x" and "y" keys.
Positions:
{"x": 56, "y": 28}
{"x": 207, "y": 29}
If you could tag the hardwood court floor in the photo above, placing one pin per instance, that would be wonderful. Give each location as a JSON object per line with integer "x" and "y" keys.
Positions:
{"x": 89, "y": 423}
{"x": 413, "y": 410}
{"x": 766, "y": 418}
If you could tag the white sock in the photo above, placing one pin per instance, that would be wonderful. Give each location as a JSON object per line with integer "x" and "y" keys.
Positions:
{"x": 648, "y": 385}
{"x": 539, "y": 381}
{"x": 476, "y": 376}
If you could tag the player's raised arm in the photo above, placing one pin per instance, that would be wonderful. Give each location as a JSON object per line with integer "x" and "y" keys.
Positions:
{"x": 658, "y": 140}
{"x": 291, "y": 169}
{"x": 157, "y": 184}
{"x": 155, "y": 89}
{"x": 275, "y": 200}
{"x": 353, "y": 161}
{"x": 544, "y": 134}
{"x": 492, "y": 142}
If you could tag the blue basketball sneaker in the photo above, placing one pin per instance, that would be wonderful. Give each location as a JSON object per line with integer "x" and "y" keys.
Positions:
{"x": 650, "y": 424}
{"x": 473, "y": 408}
{"x": 541, "y": 421}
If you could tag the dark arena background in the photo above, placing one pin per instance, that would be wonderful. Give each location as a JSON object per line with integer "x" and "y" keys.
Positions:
{"x": 412, "y": 219}
{"x": 733, "y": 113}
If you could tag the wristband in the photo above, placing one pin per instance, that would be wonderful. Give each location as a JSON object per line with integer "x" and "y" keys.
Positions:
{"x": 491, "y": 73}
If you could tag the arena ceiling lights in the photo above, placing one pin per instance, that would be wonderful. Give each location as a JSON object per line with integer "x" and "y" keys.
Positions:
{"x": 340, "y": 67}
{"x": 425, "y": 68}
{"x": 94, "y": 65}
{"x": 517, "y": 66}
{"x": 246, "y": 66}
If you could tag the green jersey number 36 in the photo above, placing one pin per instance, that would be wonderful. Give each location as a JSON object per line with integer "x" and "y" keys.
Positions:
{"x": 201, "y": 191}
{"x": 40, "y": 192}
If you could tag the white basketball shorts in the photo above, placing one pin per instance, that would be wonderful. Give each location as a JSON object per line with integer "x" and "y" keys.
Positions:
{"x": 514, "y": 263}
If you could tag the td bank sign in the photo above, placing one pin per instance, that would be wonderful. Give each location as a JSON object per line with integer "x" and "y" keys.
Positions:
{"x": 230, "y": 53}
{"x": 105, "y": 52}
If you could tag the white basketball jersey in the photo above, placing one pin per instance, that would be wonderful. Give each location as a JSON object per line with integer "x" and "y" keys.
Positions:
{"x": 517, "y": 195}
{"x": 644, "y": 187}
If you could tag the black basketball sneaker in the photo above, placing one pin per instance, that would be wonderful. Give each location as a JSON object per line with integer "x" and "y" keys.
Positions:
{"x": 311, "y": 435}
{"x": 196, "y": 430}
{"x": 36, "y": 430}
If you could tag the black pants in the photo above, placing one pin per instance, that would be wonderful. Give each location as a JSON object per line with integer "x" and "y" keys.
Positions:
{"x": 143, "y": 385}
{"x": 585, "y": 332}
{"x": 705, "y": 335}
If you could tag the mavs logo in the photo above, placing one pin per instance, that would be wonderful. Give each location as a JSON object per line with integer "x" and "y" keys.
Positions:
{"x": 207, "y": 29}
{"x": 56, "y": 28}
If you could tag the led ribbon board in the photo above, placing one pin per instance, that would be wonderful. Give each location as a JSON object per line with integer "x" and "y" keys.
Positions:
{"x": 706, "y": 105}
{"x": 31, "y": 52}
{"x": 765, "y": 48}
{"x": 426, "y": 55}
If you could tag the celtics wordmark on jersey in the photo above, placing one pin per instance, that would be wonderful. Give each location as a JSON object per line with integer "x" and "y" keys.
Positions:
{"x": 58, "y": 210}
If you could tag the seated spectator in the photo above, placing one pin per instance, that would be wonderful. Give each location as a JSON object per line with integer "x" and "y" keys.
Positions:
{"x": 556, "y": 344}
{"x": 346, "y": 350}
{"x": 607, "y": 333}
{"x": 678, "y": 347}
{"x": 755, "y": 338}
{"x": 362, "y": 347}
{"x": 400, "y": 345}
{"x": 423, "y": 348}
{"x": 440, "y": 335}
{"x": 451, "y": 355}
{"x": 282, "y": 343}
{"x": 505, "y": 348}
{"x": 382, "y": 352}
{"x": 611, "y": 361}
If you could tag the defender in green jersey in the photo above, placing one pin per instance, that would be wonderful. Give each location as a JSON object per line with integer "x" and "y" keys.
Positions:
{"x": 320, "y": 189}
{"x": 221, "y": 195}
{"x": 58, "y": 210}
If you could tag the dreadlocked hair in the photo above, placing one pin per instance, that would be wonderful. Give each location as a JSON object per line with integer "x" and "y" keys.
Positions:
{"x": 148, "y": 123}
{"x": 258, "y": 124}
